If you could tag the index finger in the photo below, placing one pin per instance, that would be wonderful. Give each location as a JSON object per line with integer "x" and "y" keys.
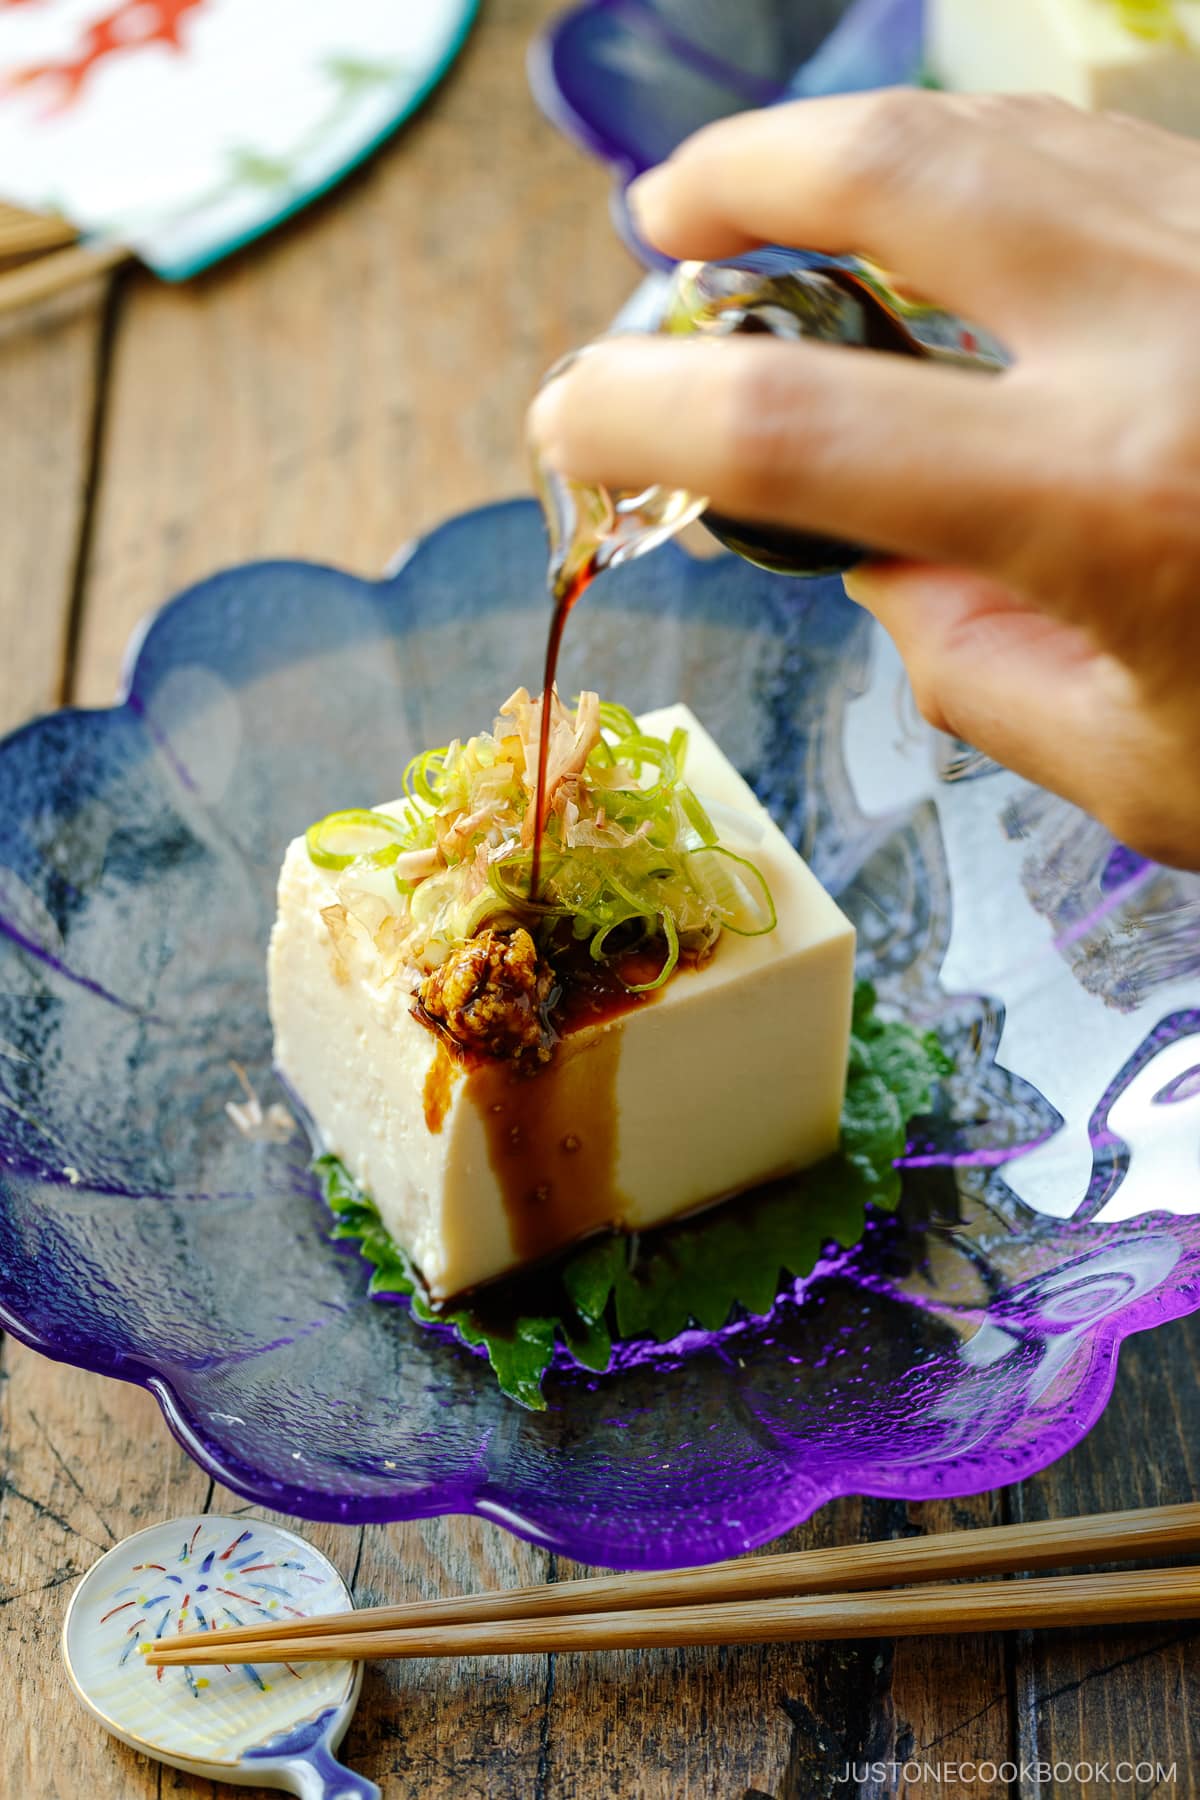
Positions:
{"x": 910, "y": 458}
{"x": 970, "y": 214}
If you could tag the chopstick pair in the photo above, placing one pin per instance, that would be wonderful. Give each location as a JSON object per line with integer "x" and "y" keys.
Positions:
{"x": 41, "y": 256}
{"x": 808, "y": 1594}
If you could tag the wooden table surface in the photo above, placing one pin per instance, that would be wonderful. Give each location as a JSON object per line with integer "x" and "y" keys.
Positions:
{"x": 328, "y": 394}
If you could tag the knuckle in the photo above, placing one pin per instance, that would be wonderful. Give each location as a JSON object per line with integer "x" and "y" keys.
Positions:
{"x": 706, "y": 158}
{"x": 895, "y": 131}
{"x": 758, "y": 432}
{"x": 1031, "y": 112}
{"x": 1127, "y": 515}
{"x": 704, "y": 148}
{"x": 790, "y": 432}
{"x": 976, "y": 172}
{"x": 1145, "y": 511}
{"x": 914, "y": 143}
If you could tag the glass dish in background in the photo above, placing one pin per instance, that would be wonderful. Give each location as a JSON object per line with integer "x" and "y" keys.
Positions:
{"x": 628, "y": 80}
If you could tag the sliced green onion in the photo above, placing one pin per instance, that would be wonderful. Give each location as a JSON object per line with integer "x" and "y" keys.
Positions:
{"x": 645, "y": 857}
{"x": 422, "y": 774}
{"x": 342, "y": 838}
{"x": 520, "y": 902}
{"x": 634, "y": 901}
{"x": 672, "y": 960}
{"x": 485, "y": 909}
{"x": 617, "y": 719}
{"x": 597, "y": 948}
{"x": 761, "y": 880}
{"x": 639, "y": 749}
{"x": 430, "y": 897}
{"x": 603, "y": 755}
{"x": 696, "y": 816}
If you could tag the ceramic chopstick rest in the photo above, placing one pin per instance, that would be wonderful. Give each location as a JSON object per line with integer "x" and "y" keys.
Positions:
{"x": 270, "y": 1725}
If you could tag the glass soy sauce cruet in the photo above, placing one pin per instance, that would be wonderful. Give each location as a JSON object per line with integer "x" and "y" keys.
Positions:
{"x": 790, "y": 294}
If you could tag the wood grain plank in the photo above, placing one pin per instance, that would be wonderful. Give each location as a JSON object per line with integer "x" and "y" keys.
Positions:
{"x": 1131, "y": 1695}
{"x": 947, "y": 1699}
{"x": 53, "y": 1519}
{"x": 450, "y": 1730}
{"x": 348, "y": 383}
{"x": 86, "y": 1461}
{"x": 48, "y": 367}
{"x": 781, "y": 1720}
{"x": 364, "y": 373}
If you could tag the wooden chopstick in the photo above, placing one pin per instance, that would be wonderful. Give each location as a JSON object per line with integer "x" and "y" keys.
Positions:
{"x": 1107, "y": 1599}
{"x": 995, "y": 1550}
{"x": 30, "y": 234}
{"x": 41, "y": 257}
{"x": 63, "y": 269}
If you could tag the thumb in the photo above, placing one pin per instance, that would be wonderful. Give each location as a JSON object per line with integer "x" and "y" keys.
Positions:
{"x": 984, "y": 666}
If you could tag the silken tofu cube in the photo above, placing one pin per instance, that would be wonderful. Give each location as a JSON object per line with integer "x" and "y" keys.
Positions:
{"x": 1091, "y": 52}
{"x": 732, "y": 1073}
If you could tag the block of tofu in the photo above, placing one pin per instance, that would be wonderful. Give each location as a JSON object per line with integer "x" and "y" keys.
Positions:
{"x": 730, "y": 1074}
{"x": 1085, "y": 51}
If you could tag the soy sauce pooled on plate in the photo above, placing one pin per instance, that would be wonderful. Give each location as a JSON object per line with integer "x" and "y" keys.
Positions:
{"x": 790, "y": 295}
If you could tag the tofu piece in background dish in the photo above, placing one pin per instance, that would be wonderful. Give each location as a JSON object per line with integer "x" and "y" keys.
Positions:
{"x": 1126, "y": 56}
{"x": 731, "y": 1073}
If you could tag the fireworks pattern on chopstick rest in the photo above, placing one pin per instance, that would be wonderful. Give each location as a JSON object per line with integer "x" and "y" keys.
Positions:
{"x": 210, "y": 1585}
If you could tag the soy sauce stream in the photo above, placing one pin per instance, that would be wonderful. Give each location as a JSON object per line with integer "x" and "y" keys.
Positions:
{"x": 563, "y": 603}
{"x": 770, "y": 292}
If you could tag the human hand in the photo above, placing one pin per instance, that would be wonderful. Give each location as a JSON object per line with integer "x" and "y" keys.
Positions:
{"x": 1041, "y": 527}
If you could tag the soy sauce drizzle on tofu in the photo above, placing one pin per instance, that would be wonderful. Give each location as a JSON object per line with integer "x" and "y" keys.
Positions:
{"x": 550, "y": 1121}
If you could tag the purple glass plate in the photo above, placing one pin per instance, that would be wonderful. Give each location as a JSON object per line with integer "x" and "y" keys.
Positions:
{"x": 961, "y": 1344}
{"x": 628, "y": 80}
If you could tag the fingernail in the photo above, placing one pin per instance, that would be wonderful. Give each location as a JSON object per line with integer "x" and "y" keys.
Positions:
{"x": 643, "y": 198}
{"x": 548, "y": 408}
{"x": 543, "y": 421}
{"x": 564, "y": 363}
{"x": 870, "y": 582}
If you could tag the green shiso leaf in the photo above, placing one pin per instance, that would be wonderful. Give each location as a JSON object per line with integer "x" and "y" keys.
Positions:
{"x": 699, "y": 1272}
{"x": 520, "y": 1351}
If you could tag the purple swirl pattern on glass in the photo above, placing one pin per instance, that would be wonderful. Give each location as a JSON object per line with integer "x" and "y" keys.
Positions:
{"x": 1051, "y": 1200}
